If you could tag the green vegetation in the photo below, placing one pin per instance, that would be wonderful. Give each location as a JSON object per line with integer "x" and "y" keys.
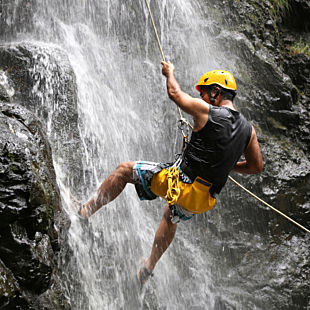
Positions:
{"x": 280, "y": 7}
{"x": 11, "y": 157}
{"x": 301, "y": 47}
{"x": 14, "y": 168}
{"x": 276, "y": 124}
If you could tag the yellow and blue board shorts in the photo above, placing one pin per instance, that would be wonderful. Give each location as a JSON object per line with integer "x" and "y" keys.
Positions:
{"x": 151, "y": 182}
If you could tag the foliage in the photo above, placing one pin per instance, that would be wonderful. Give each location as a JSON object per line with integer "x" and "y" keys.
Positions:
{"x": 280, "y": 7}
{"x": 301, "y": 47}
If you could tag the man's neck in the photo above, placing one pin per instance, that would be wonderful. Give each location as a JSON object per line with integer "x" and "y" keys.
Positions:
{"x": 227, "y": 104}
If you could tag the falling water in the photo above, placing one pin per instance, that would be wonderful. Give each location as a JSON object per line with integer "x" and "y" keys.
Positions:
{"x": 124, "y": 114}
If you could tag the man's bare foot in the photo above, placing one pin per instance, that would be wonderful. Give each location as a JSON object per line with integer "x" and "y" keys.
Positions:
{"x": 83, "y": 212}
{"x": 143, "y": 274}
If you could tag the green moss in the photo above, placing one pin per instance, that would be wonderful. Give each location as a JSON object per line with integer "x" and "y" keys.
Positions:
{"x": 276, "y": 124}
{"x": 50, "y": 212}
{"x": 11, "y": 157}
{"x": 300, "y": 92}
{"x": 7, "y": 284}
{"x": 286, "y": 145}
{"x": 301, "y": 47}
{"x": 14, "y": 168}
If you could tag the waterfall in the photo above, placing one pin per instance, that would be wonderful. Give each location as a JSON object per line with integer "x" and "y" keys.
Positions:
{"x": 124, "y": 114}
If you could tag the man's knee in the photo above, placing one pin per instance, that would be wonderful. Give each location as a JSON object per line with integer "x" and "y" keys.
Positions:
{"x": 125, "y": 169}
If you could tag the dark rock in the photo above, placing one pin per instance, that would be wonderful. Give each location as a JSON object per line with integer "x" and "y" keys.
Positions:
{"x": 297, "y": 16}
{"x": 298, "y": 68}
{"x": 10, "y": 295}
{"x": 289, "y": 119}
{"x": 29, "y": 207}
{"x": 41, "y": 78}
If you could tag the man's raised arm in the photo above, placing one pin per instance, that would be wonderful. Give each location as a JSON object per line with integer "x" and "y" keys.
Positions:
{"x": 193, "y": 106}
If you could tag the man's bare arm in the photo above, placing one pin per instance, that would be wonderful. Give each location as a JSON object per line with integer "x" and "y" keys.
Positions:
{"x": 193, "y": 106}
{"x": 253, "y": 157}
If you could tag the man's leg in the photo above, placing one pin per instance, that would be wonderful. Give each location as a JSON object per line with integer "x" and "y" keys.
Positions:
{"x": 110, "y": 188}
{"x": 163, "y": 237}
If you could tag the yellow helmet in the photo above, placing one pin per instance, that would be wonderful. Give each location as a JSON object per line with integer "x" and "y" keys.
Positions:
{"x": 220, "y": 77}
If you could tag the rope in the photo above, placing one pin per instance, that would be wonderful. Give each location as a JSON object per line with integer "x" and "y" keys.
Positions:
{"x": 173, "y": 191}
{"x": 268, "y": 205}
{"x": 155, "y": 30}
{"x": 184, "y": 121}
{"x": 158, "y": 41}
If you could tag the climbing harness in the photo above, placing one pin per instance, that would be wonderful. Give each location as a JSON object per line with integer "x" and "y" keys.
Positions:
{"x": 173, "y": 192}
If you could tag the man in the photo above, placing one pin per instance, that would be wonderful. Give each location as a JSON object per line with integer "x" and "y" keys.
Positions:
{"x": 220, "y": 136}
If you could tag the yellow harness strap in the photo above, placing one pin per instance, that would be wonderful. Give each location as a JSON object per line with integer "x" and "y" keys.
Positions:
{"x": 173, "y": 191}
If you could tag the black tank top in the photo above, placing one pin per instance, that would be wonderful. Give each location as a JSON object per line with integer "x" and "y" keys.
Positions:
{"x": 214, "y": 150}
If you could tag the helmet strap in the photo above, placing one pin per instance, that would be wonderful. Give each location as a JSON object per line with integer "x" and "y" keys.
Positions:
{"x": 212, "y": 99}
{"x": 210, "y": 96}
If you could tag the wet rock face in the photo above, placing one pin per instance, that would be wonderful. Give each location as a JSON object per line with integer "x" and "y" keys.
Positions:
{"x": 29, "y": 204}
{"x": 298, "y": 68}
{"x": 41, "y": 78}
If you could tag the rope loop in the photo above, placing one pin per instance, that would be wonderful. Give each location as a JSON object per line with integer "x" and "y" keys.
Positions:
{"x": 173, "y": 191}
